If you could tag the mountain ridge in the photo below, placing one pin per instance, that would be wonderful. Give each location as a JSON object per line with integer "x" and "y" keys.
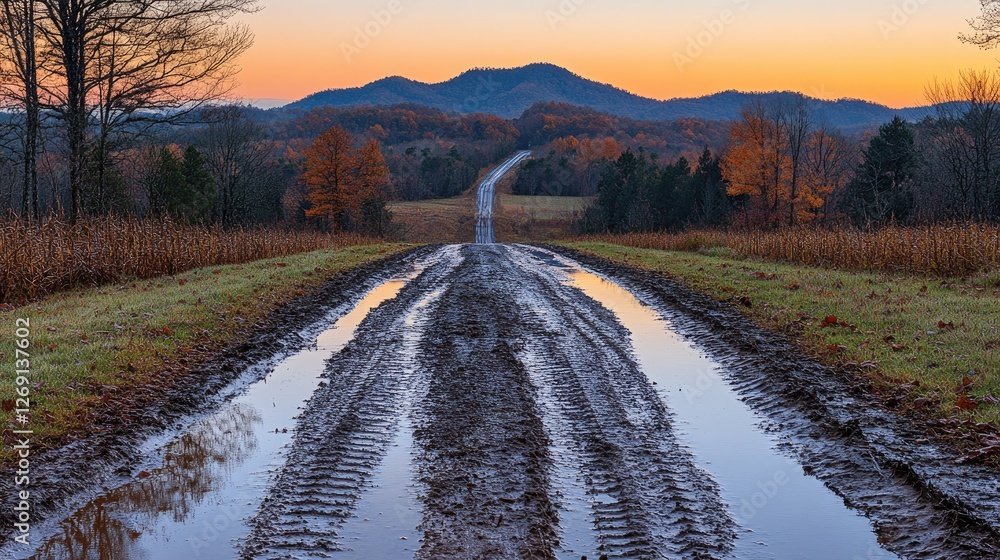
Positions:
{"x": 508, "y": 92}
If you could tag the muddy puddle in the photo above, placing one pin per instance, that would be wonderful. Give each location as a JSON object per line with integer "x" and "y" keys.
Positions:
{"x": 386, "y": 519}
{"x": 212, "y": 479}
{"x": 577, "y": 505}
{"x": 782, "y": 512}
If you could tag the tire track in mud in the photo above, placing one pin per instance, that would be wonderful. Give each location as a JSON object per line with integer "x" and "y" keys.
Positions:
{"x": 507, "y": 336}
{"x": 922, "y": 504}
{"x": 346, "y": 428}
{"x": 662, "y": 504}
{"x": 484, "y": 454}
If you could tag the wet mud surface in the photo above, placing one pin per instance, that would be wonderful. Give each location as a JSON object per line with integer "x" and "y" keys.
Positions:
{"x": 496, "y": 408}
{"x": 69, "y": 477}
{"x": 922, "y": 503}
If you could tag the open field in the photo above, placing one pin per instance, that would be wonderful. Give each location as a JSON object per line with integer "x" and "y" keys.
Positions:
{"x": 545, "y": 207}
{"x": 930, "y": 346}
{"x": 537, "y": 218}
{"x": 101, "y": 349}
{"x": 39, "y": 259}
{"x": 518, "y": 218}
{"x": 449, "y": 220}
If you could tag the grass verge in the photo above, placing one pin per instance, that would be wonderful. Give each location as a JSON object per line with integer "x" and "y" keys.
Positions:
{"x": 929, "y": 347}
{"x": 91, "y": 345}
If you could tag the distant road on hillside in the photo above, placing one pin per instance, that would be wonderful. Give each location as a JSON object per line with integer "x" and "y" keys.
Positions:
{"x": 487, "y": 195}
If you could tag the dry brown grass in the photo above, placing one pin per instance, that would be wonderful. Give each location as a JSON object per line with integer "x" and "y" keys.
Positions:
{"x": 949, "y": 251}
{"x": 39, "y": 259}
{"x": 449, "y": 220}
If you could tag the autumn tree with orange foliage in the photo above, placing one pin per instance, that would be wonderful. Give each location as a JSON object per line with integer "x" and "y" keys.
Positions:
{"x": 346, "y": 188}
{"x": 787, "y": 165}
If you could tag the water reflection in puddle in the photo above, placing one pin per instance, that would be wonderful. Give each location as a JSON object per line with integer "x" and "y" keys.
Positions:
{"x": 782, "y": 512}
{"x": 214, "y": 477}
{"x": 386, "y": 519}
{"x": 569, "y": 480}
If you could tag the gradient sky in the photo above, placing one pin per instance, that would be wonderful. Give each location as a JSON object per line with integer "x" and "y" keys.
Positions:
{"x": 844, "y": 48}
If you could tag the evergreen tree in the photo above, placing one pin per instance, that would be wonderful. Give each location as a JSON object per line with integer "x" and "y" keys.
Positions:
{"x": 167, "y": 179}
{"x": 182, "y": 188}
{"x": 711, "y": 202}
{"x": 673, "y": 202}
{"x": 199, "y": 188}
{"x": 881, "y": 193}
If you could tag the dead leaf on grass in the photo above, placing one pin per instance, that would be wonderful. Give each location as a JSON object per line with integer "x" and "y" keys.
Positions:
{"x": 964, "y": 403}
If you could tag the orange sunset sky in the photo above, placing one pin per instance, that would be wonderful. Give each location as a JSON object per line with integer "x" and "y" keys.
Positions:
{"x": 882, "y": 50}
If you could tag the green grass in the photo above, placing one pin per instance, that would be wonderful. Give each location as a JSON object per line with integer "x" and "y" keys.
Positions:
{"x": 894, "y": 335}
{"x": 92, "y": 347}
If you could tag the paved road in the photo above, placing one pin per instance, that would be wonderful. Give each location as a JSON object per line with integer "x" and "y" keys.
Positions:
{"x": 487, "y": 195}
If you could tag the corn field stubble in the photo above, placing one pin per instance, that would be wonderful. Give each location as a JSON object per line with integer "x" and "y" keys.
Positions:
{"x": 44, "y": 258}
{"x": 945, "y": 251}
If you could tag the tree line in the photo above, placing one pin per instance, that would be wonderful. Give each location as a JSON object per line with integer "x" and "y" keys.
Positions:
{"x": 80, "y": 79}
{"x": 782, "y": 167}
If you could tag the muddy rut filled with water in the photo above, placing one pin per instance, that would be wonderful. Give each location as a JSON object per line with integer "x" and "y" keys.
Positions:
{"x": 504, "y": 401}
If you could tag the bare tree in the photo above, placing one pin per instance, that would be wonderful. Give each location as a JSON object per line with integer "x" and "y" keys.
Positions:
{"x": 162, "y": 67}
{"x": 828, "y": 167}
{"x": 127, "y": 62}
{"x": 968, "y": 139}
{"x": 20, "y": 82}
{"x": 796, "y": 118}
{"x": 986, "y": 26}
{"x": 240, "y": 162}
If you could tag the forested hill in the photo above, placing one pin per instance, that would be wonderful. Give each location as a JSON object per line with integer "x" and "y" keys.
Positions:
{"x": 509, "y": 92}
{"x": 539, "y": 125}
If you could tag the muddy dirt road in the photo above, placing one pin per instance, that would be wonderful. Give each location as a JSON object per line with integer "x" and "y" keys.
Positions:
{"x": 500, "y": 401}
{"x": 486, "y": 198}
